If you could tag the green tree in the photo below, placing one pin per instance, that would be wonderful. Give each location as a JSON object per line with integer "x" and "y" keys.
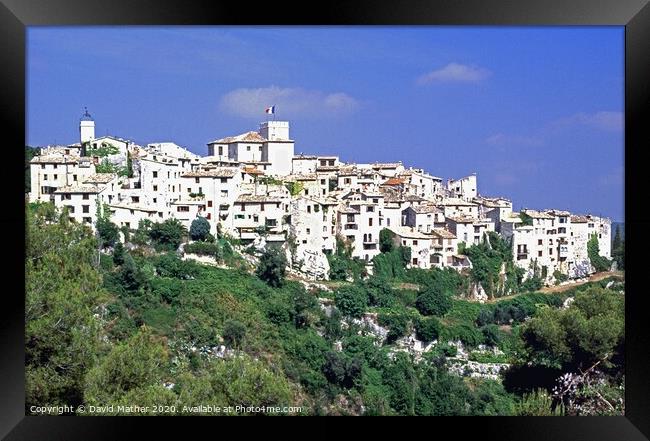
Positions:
{"x": 199, "y": 229}
{"x": 433, "y": 301}
{"x": 234, "y": 333}
{"x": 599, "y": 262}
{"x": 108, "y": 232}
{"x": 618, "y": 249}
{"x": 351, "y": 300}
{"x": 272, "y": 266}
{"x": 118, "y": 254}
{"x": 135, "y": 364}
{"x": 168, "y": 235}
{"x": 63, "y": 290}
{"x": 590, "y": 330}
{"x": 427, "y": 329}
{"x": 30, "y": 152}
{"x": 385, "y": 240}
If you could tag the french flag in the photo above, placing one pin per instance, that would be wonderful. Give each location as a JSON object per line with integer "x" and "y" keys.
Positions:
{"x": 270, "y": 110}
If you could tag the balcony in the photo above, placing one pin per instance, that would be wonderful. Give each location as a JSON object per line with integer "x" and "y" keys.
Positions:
{"x": 522, "y": 256}
{"x": 351, "y": 227}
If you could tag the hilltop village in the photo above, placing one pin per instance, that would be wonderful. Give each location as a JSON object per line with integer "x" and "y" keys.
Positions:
{"x": 254, "y": 187}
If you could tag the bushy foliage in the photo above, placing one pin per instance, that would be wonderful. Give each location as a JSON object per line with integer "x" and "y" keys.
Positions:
{"x": 599, "y": 262}
{"x": 385, "y": 240}
{"x": 342, "y": 265}
{"x": 62, "y": 291}
{"x": 234, "y": 333}
{"x": 272, "y": 266}
{"x": 167, "y": 235}
{"x": 199, "y": 229}
{"x": 488, "y": 259}
{"x": 398, "y": 325}
{"x": 427, "y": 329}
{"x": 351, "y": 300}
{"x": 589, "y": 330}
{"x": 433, "y": 301}
{"x": 391, "y": 265}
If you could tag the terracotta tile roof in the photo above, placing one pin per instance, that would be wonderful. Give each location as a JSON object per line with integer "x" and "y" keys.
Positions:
{"x": 79, "y": 189}
{"x": 394, "y": 181}
{"x": 442, "y": 233}
{"x": 55, "y": 159}
{"x": 409, "y": 232}
{"x": 100, "y": 178}
{"x": 426, "y": 208}
{"x": 244, "y": 137}
{"x": 252, "y": 171}
{"x": 250, "y": 199}
{"x": 537, "y": 214}
{"x": 211, "y": 173}
{"x": 579, "y": 219}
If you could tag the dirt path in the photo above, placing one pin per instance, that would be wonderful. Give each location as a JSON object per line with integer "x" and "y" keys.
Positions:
{"x": 592, "y": 278}
{"x": 560, "y": 288}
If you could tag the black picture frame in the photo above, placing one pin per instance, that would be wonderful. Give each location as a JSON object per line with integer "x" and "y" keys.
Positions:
{"x": 16, "y": 15}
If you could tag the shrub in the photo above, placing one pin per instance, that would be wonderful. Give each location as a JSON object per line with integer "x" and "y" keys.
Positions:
{"x": 199, "y": 229}
{"x": 168, "y": 235}
{"x": 427, "y": 329}
{"x": 433, "y": 301}
{"x": 491, "y": 335}
{"x": 398, "y": 325}
{"x": 272, "y": 266}
{"x": 351, "y": 300}
{"x": 234, "y": 333}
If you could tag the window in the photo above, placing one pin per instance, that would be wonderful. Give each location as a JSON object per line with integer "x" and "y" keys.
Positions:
{"x": 239, "y": 216}
{"x": 70, "y": 208}
{"x": 42, "y": 165}
{"x": 224, "y": 193}
{"x": 248, "y": 148}
{"x": 189, "y": 190}
{"x": 45, "y": 177}
{"x": 85, "y": 208}
{"x": 223, "y": 180}
{"x": 370, "y": 222}
{"x": 155, "y": 174}
{"x": 220, "y": 150}
{"x": 415, "y": 261}
{"x": 56, "y": 166}
{"x": 86, "y": 196}
{"x": 154, "y": 200}
{"x": 370, "y": 209}
{"x": 209, "y": 203}
{"x": 350, "y": 217}
{"x": 539, "y": 253}
{"x": 550, "y": 251}
{"x": 308, "y": 231}
{"x": 415, "y": 242}
{"x": 200, "y": 190}
{"x": 322, "y": 182}
{"x": 308, "y": 208}
{"x": 347, "y": 180}
{"x": 182, "y": 208}
{"x": 196, "y": 180}
{"x": 209, "y": 216}
{"x": 260, "y": 148}
{"x": 56, "y": 177}
{"x": 540, "y": 242}
{"x": 262, "y": 206}
{"x": 155, "y": 188}
{"x": 74, "y": 178}
{"x": 87, "y": 220}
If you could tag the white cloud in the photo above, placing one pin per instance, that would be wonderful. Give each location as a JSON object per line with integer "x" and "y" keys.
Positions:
{"x": 289, "y": 102}
{"x": 455, "y": 72}
{"x": 501, "y": 139}
{"x": 604, "y": 120}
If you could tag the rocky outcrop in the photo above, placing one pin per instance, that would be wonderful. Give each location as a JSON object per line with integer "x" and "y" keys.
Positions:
{"x": 312, "y": 263}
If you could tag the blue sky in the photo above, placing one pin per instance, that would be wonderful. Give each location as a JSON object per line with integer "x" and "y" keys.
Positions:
{"x": 537, "y": 113}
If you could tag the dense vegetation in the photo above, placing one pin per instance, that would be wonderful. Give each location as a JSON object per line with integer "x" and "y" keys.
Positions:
{"x": 148, "y": 327}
